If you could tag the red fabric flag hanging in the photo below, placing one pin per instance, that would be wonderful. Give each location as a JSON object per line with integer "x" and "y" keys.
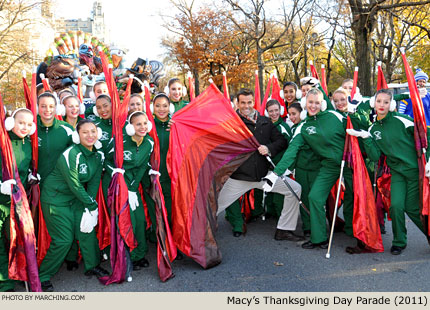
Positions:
{"x": 208, "y": 141}
{"x": 354, "y": 83}
{"x": 166, "y": 248}
{"x": 313, "y": 70}
{"x": 365, "y": 219}
{"x": 323, "y": 79}
{"x": 103, "y": 227}
{"x": 276, "y": 94}
{"x": 257, "y": 100}
{"x": 33, "y": 193}
{"x": 225, "y": 86}
{"x": 121, "y": 227}
{"x": 191, "y": 86}
{"x": 420, "y": 136}
{"x": 381, "y": 82}
{"x": 22, "y": 249}
{"x": 266, "y": 95}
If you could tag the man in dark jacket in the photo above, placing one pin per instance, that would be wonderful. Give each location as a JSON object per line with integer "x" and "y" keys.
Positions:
{"x": 250, "y": 174}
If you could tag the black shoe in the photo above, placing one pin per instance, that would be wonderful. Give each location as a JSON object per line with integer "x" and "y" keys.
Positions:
{"x": 307, "y": 234}
{"x": 287, "y": 235}
{"x": 237, "y": 234}
{"x": 47, "y": 286}
{"x": 179, "y": 255}
{"x": 397, "y": 250}
{"x": 309, "y": 245}
{"x": 71, "y": 265}
{"x": 141, "y": 263}
{"x": 97, "y": 271}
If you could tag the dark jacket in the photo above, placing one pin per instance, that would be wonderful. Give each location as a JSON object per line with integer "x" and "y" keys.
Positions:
{"x": 257, "y": 166}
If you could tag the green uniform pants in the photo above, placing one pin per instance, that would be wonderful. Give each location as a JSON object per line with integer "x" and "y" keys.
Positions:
{"x": 138, "y": 221}
{"x": 63, "y": 225}
{"x": 233, "y": 214}
{"x": 306, "y": 179}
{"x": 327, "y": 177}
{"x": 404, "y": 198}
{"x": 5, "y": 283}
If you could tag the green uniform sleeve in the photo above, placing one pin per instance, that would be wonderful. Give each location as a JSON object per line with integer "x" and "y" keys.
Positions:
{"x": 290, "y": 154}
{"x": 68, "y": 167}
{"x": 372, "y": 150}
{"x": 94, "y": 184}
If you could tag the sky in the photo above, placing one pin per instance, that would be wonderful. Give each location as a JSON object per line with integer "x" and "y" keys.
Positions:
{"x": 135, "y": 25}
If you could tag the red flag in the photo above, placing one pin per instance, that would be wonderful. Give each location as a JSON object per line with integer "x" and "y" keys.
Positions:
{"x": 382, "y": 83}
{"x": 323, "y": 79}
{"x": 365, "y": 217}
{"x": 22, "y": 250}
{"x": 257, "y": 100}
{"x": 266, "y": 95}
{"x": 33, "y": 193}
{"x": 420, "y": 136}
{"x": 191, "y": 86}
{"x": 208, "y": 141}
{"x": 121, "y": 227}
{"x": 354, "y": 83}
{"x": 313, "y": 70}
{"x": 103, "y": 227}
{"x": 166, "y": 248}
{"x": 225, "y": 86}
{"x": 276, "y": 94}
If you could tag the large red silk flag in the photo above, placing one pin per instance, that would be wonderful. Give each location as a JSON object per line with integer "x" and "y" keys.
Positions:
{"x": 166, "y": 249}
{"x": 22, "y": 249}
{"x": 354, "y": 83}
{"x": 257, "y": 97}
{"x": 420, "y": 136}
{"x": 313, "y": 70}
{"x": 225, "y": 86}
{"x": 365, "y": 219}
{"x": 381, "y": 82}
{"x": 276, "y": 94}
{"x": 208, "y": 142}
{"x": 324, "y": 79}
{"x": 266, "y": 95}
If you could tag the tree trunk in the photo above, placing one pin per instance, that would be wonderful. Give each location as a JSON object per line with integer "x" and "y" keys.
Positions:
{"x": 196, "y": 82}
{"x": 260, "y": 65}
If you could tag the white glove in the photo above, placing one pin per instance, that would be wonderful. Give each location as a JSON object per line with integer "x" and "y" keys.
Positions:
{"x": 422, "y": 91}
{"x": 117, "y": 170}
{"x": 427, "y": 172}
{"x": 6, "y": 187}
{"x": 31, "y": 177}
{"x": 287, "y": 172}
{"x": 270, "y": 180}
{"x": 132, "y": 200}
{"x": 89, "y": 220}
{"x": 351, "y": 108}
{"x": 357, "y": 97}
{"x": 362, "y": 133}
{"x": 151, "y": 172}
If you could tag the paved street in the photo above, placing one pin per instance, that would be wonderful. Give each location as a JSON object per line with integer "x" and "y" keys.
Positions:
{"x": 257, "y": 262}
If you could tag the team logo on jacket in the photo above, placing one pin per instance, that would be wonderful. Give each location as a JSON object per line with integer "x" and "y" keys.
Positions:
{"x": 39, "y": 141}
{"x": 127, "y": 155}
{"x": 83, "y": 168}
{"x": 311, "y": 130}
{"x": 91, "y": 117}
{"x": 105, "y": 136}
{"x": 377, "y": 135}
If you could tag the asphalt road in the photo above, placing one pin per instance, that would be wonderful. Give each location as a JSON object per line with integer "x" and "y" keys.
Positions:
{"x": 256, "y": 262}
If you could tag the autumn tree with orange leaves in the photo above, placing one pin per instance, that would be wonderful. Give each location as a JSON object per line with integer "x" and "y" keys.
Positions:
{"x": 206, "y": 44}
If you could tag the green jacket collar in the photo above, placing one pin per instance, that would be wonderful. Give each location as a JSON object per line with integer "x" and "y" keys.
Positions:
{"x": 55, "y": 124}
{"x": 386, "y": 118}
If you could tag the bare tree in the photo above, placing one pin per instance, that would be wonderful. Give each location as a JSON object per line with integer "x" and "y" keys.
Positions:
{"x": 251, "y": 19}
